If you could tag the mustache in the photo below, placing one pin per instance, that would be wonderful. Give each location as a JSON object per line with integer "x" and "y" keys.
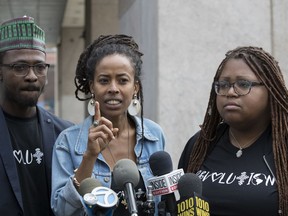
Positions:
{"x": 31, "y": 88}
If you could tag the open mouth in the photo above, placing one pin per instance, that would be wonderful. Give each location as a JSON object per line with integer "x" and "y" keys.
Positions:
{"x": 113, "y": 102}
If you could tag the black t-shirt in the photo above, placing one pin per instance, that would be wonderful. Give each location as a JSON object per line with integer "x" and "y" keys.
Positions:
{"x": 238, "y": 186}
{"x": 28, "y": 152}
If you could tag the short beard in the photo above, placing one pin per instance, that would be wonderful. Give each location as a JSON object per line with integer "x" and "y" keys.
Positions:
{"x": 24, "y": 101}
{"x": 32, "y": 102}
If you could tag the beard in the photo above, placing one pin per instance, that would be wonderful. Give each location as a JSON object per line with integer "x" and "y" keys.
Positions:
{"x": 29, "y": 101}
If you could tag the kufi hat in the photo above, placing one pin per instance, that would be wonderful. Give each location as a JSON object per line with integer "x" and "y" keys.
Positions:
{"x": 21, "y": 33}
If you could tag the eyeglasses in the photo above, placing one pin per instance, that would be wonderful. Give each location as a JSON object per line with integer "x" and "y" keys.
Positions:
{"x": 241, "y": 87}
{"x": 22, "y": 69}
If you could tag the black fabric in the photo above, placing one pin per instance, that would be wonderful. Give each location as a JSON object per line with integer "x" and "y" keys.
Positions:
{"x": 238, "y": 186}
{"x": 184, "y": 159}
{"x": 28, "y": 153}
{"x": 11, "y": 202}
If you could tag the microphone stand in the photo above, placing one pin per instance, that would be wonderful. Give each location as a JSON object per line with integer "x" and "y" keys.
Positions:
{"x": 130, "y": 197}
{"x": 148, "y": 207}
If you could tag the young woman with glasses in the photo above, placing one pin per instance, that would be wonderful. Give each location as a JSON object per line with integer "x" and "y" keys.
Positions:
{"x": 240, "y": 152}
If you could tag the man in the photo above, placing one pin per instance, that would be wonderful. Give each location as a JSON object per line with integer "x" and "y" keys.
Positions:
{"x": 27, "y": 131}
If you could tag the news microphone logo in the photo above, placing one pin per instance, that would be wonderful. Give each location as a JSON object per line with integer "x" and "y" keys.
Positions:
{"x": 193, "y": 206}
{"x": 165, "y": 184}
{"x": 101, "y": 196}
{"x": 191, "y": 202}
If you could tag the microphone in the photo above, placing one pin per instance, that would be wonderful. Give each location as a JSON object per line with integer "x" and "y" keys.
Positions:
{"x": 164, "y": 182}
{"x": 99, "y": 200}
{"x": 126, "y": 176}
{"x": 87, "y": 185}
{"x": 191, "y": 201}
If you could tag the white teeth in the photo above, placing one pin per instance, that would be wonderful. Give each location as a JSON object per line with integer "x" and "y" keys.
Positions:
{"x": 113, "y": 102}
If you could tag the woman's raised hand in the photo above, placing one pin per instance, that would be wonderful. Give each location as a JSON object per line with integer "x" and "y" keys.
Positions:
{"x": 101, "y": 132}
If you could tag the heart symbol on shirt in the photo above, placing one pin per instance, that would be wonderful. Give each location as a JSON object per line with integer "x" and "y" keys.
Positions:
{"x": 18, "y": 155}
{"x": 216, "y": 176}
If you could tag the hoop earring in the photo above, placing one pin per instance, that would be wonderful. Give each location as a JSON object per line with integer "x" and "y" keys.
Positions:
{"x": 135, "y": 106}
{"x": 91, "y": 106}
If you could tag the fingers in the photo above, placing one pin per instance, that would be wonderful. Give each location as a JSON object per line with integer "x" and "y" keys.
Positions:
{"x": 97, "y": 142}
{"x": 99, "y": 137}
{"x": 98, "y": 120}
{"x": 101, "y": 132}
{"x": 97, "y": 115}
{"x": 115, "y": 132}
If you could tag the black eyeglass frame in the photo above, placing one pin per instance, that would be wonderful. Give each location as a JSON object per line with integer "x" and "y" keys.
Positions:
{"x": 251, "y": 84}
{"x": 36, "y": 72}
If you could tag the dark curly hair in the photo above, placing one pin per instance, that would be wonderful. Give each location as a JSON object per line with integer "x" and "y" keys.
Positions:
{"x": 267, "y": 70}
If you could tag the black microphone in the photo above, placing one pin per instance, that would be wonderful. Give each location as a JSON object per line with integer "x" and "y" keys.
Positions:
{"x": 126, "y": 176}
{"x": 99, "y": 200}
{"x": 191, "y": 201}
{"x": 160, "y": 163}
{"x": 165, "y": 181}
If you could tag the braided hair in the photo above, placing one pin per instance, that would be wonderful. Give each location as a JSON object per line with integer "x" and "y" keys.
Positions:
{"x": 103, "y": 46}
{"x": 268, "y": 72}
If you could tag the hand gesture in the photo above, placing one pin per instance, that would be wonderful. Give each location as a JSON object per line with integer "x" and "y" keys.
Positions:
{"x": 101, "y": 132}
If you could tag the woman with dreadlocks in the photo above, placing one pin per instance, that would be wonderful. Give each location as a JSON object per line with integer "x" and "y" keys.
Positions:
{"x": 240, "y": 153}
{"x": 108, "y": 73}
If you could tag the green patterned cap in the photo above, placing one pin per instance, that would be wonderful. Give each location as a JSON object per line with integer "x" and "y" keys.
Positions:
{"x": 21, "y": 33}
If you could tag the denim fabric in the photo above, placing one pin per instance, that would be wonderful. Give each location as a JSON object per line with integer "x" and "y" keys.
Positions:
{"x": 67, "y": 156}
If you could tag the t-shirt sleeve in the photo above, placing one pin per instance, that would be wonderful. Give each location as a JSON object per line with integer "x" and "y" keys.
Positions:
{"x": 184, "y": 158}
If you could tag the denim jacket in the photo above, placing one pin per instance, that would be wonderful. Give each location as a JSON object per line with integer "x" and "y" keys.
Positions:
{"x": 67, "y": 156}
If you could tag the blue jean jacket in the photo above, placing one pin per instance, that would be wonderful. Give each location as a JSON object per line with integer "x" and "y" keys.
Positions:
{"x": 67, "y": 156}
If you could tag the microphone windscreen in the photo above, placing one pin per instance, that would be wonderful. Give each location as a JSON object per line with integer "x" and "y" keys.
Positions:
{"x": 87, "y": 185}
{"x": 188, "y": 184}
{"x": 125, "y": 171}
{"x": 160, "y": 163}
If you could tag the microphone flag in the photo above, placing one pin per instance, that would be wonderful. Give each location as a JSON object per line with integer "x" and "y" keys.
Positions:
{"x": 101, "y": 196}
{"x": 165, "y": 184}
{"x": 195, "y": 205}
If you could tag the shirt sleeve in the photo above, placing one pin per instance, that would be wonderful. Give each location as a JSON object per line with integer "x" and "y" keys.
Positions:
{"x": 65, "y": 199}
{"x": 185, "y": 156}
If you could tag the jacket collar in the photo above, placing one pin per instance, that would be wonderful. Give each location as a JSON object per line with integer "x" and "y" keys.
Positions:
{"x": 82, "y": 138}
{"x": 9, "y": 164}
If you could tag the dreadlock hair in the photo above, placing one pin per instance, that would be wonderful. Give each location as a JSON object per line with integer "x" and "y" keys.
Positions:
{"x": 103, "y": 46}
{"x": 267, "y": 70}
